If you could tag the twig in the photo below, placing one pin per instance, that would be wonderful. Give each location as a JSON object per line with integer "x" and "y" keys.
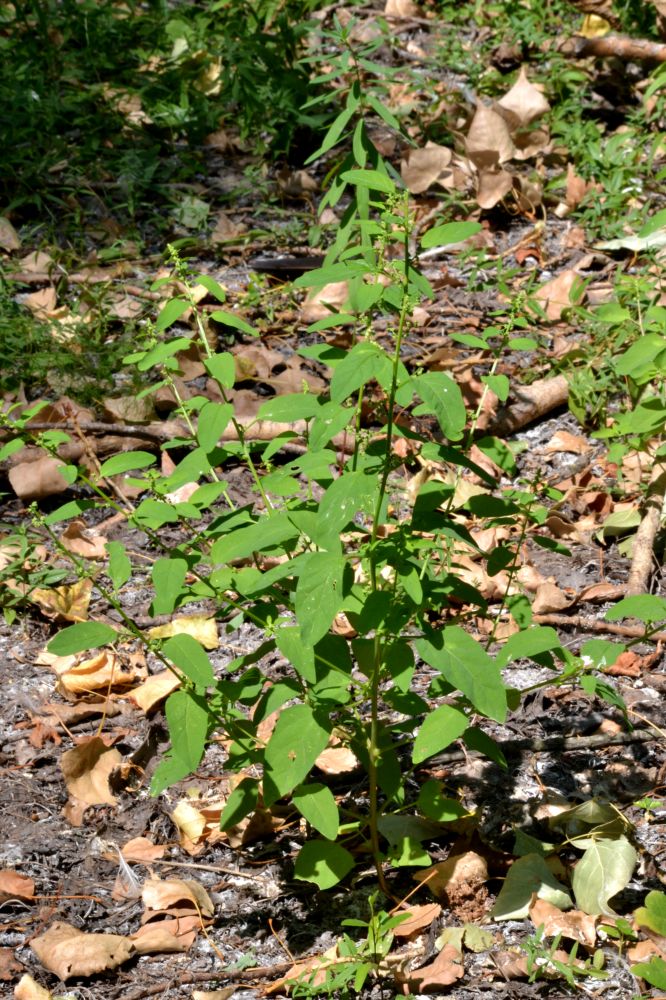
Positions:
{"x": 641, "y": 563}
{"x": 531, "y": 402}
{"x": 620, "y": 46}
{"x": 549, "y": 743}
{"x": 261, "y": 972}
{"x": 594, "y": 625}
{"x": 205, "y": 868}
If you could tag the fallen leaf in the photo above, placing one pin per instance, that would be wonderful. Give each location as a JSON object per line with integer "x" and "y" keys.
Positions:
{"x": 38, "y": 479}
{"x": 488, "y": 142}
{"x": 104, "y": 672}
{"x": 142, "y": 849}
{"x": 337, "y": 760}
{"x": 28, "y": 989}
{"x": 154, "y": 690}
{"x": 162, "y": 895}
{"x": 446, "y": 969}
{"x": 223, "y": 994}
{"x": 69, "y": 603}
{"x": 524, "y": 102}
{"x": 549, "y": 597}
{"x": 575, "y": 925}
{"x": 527, "y": 875}
{"x": 324, "y": 301}
{"x": 465, "y": 868}
{"x": 83, "y": 541}
{"x": 87, "y": 769}
{"x": 421, "y": 168}
{"x": 604, "y": 870}
{"x": 9, "y": 238}
{"x": 68, "y": 952}
{"x": 560, "y": 293}
{"x": 419, "y": 918}
{"x": 576, "y": 444}
{"x": 13, "y": 885}
{"x": 200, "y": 627}
{"x": 400, "y": 8}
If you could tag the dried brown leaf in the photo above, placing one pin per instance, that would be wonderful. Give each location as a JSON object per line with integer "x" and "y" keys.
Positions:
{"x": 421, "y": 168}
{"x": 38, "y": 479}
{"x": 488, "y": 142}
{"x": 420, "y": 917}
{"x": 524, "y": 103}
{"x": 87, "y": 769}
{"x": 574, "y": 924}
{"x": 467, "y": 868}
{"x": 67, "y": 951}
{"x": 142, "y": 849}
{"x": 28, "y": 989}
{"x": 445, "y": 970}
{"x": 68, "y": 603}
{"x": 13, "y": 885}
{"x": 83, "y": 541}
{"x": 154, "y": 690}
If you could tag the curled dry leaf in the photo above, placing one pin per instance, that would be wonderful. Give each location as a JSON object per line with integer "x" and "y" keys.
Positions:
{"x": 549, "y": 597}
{"x": 69, "y": 603}
{"x": 67, "y": 951}
{"x": 159, "y": 895}
{"x": 575, "y": 925}
{"x": 175, "y": 912}
{"x": 524, "y": 103}
{"x": 446, "y": 969}
{"x": 28, "y": 989}
{"x": 420, "y": 918}
{"x": 83, "y": 541}
{"x": 87, "y": 769}
{"x": 492, "y": 186}
{"x": 104, "y": 672}
{"x": 9, "y": 238}
{"x": 200, "y": 627}
{"x": 337, "y": 759}
{"x": 562, "y": 292}
{"x": 13, "y": 885}
{"x": 154, "y": 690}
{"x": 421, "y": 168}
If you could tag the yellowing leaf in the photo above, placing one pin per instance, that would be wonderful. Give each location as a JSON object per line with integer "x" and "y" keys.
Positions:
{"x": 68, "y": 603}
{"x": 200, "y": 627}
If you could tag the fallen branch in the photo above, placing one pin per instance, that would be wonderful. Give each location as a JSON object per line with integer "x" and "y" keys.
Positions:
{"x": 641, "y": 563}
{"x": 557, "y": 743}
{"x": 530, "y": 403}
{"x": 594, "y": 625}
{"x": 620, "y": 46}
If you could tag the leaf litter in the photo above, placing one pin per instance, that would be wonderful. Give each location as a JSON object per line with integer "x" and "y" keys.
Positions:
{"x": 484, "y": 882}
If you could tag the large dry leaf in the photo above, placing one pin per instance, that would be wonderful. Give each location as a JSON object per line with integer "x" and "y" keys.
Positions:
{"x": 39, "y": 479}
{"x": 401, "y": 8}
{"x": 172, "y": 893}
{"x": 13, "y": 885}
{"x": 42, "y": 303}
{"x": 225, "y": 229}
{"x": 83, "y": 541}
{"x": 324, "y": 301}
{"x": 68, "y": 603}
{"x": 154, "y": 690}
{"x": 421, "y": 168}
{"x": 9, "y": 238}
{"x": 524, "y": 103}
{"x": 419, "y": 918}
{"x": 548, "y": 598}
{"x": 445, "y": 970}
{"x": 560, "y": 293}
{"x": 488, "y": 142}
{"x": 467, "y": 868}
{"x": 87, "y": 769}
{"x": 142, "y": 849}
{"x": 67, "y": 951}
{"x": 492, "y": 186}
{"x": 103, "y": 672}
{"x": 575, "y": 925}
{"x": 28, "y": 989}
{"x": 200, "y": 627}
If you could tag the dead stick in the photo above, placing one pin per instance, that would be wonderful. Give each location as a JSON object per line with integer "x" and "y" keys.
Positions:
{"x": 261, "y": 972}
{"x": 558, "y": 743}
{"x": 607, "y": 46}
{"x": 530, "y": 403}
{"x": 641, "y": 562}
{"x": 594, "y": 625}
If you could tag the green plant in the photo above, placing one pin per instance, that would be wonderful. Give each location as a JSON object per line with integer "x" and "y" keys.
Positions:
{"x": 22, "y": 570}
{"x": 548, "y": 961}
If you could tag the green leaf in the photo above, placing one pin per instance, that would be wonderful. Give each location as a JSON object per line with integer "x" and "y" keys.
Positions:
{"x": 438, "y": 731}
{"x": 345, "y": 497}
{"x": 168, "y": 577}
{"x": 212, "y": 286}
{"x": 323, "y": 862}
{"x": 241, "y": 802}
{"x": 365, "y": 363}
{"x": 372, "y": 179}
{"x": 265, "y": 534}
{"x": 119, "y": 567}
{"x": 317, "y": 805}
{"x": 382, "y": 111}
{"x": 222, "y": 367}
{"x": 647, "y": 608}
{"x": 156, "y": 355}
{"x": 295, "y": 744}
{"x": 528, "y": 643}
{"x": 172, "y": 311}
{"x": 187, "y": 654}
{"x": 335, "y": 130}
{"x": 653, "y": 972}
{"x": 328, "y": 275}
{"x": 604, "y": 870}
{"x": 289, "y": 408}
{"x": 655, "y": 222}
{"x": 319, "y": 594}
{"x": 72, "y": 509}
{"x": 436, "y": 806}
{"x": 527, "y": 875}
{"x": 213, "y": 419}
{"x": 653, "y": 914}
{"x": 236, "y": 322}
{"x": 168, "y": 772}
{"x": 466, "y": 665}
{"x": 450, "y": 233}
{"x": 188, "y": 728}
{"x": 125, "y": 462}
{"x": 83, "y": 635}
{"x": 442, "y": 397}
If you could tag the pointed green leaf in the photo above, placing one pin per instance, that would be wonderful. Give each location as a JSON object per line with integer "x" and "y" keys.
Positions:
{"x": 125, "y": 462}
{"x": 213, "y": 420}
{"x": 466, "y": 665}
{"x": 653, "y": 914}
{"x": 168, "y": 577}
{"x": 653, "y": 972}
{"x": 222, "y": 367}
{"x": 450, "y": 233}
{"x": 82, "y": 636}
{"x": 323, "y": 862}
{"x": 527, "y": 875}
{"x": 172, "y": 311}
{"x": 188, "y": 728}
{"x": 438, "y": 731}
{"x": 236, "y": 322}
{"x": 211, "y": 285}
{"x": 603, "y": 871}
{"x": 317, "y": 805}
{"x": 187, "y": 654}
{"x": 319, "y": 594}
{"x": 119, "y": 567}
{"x": 372, "y": 179}
{"x": 364, "y": 363}
{"x": 241, "y": 802}
{"x": 295, "y": 743}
